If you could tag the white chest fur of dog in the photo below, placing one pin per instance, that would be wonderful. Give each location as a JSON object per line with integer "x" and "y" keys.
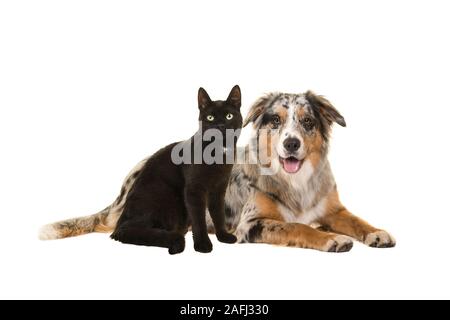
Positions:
{"x": 306, "y": 217}
{"x": 310, "y": 195}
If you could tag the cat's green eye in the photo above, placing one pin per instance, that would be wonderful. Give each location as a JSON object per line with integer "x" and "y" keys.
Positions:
{"x": 210, "y": 118}
{"x": 229, "y": 116}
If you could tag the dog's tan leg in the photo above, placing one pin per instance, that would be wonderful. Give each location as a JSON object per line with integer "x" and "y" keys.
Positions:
{"x": 338, "y": 219}
{"x": 262, "y": 223}
{"x": 343, "y": 222}
{"x": 296, "y": 235}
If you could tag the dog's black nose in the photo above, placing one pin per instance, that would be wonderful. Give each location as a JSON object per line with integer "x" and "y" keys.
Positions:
{"x": 291, "y": 144}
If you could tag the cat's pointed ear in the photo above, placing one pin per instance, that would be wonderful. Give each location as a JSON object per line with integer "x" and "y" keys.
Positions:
{"x": 203, "y": 98}
{"x": 234, "y": 98}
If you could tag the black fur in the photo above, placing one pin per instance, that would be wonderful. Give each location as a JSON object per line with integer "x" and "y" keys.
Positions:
{"x": 254, "y": 233}
{"x": 322, "y": 125}
{"x": 122, "y": 194}
{"x": 167, "y": 198}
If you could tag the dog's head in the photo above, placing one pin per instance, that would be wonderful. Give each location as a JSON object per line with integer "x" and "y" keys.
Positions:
{"x": 299, "y": 125}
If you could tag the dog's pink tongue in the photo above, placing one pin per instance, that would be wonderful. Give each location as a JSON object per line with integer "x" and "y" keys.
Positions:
{"x": 291, "y": 165}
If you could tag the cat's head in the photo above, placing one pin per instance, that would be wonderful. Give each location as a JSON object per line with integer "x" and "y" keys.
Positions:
{"x": 220, "y": 114}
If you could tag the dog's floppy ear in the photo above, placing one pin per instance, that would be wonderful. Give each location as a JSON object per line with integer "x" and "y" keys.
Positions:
{"x": 203, "y": 98}
{"x": 258, "y": 108}
{"x": 234, "y": 98}
{"x": 325, "y": 109}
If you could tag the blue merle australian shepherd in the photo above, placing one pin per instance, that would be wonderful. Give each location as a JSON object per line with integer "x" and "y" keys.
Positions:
{"x": 296, "y": 204}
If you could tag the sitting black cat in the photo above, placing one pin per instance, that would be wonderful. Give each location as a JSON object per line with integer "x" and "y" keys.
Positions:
{"x": 167, "y": 198}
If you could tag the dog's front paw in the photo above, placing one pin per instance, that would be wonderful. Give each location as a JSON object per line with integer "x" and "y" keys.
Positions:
{"x": 338, "y": 244}
{"x": 203, "y": 246}
{"x": 380, "y": 239}
{"x": 226, "y": 237}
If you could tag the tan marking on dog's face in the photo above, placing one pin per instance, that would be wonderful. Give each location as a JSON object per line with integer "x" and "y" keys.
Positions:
{"x": 311, "y": 138}
{"x": 281, "y": 111}
{"x": 300, "y": 112}
{"x": 268, "y": 121}
{"x": 313, "y": 145}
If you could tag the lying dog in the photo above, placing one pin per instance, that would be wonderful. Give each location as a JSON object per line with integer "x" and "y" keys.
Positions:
{"x": 295, "y": 192}
{"x": 280, "y": 208}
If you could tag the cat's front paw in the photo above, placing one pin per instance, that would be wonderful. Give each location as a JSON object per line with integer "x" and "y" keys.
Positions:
{"x": 203, "y": 246}
{"x": 226, "y": 237}
{"x": 177, "y": 245}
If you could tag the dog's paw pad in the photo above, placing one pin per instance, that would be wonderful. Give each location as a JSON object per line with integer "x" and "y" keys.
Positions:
{"x": 339, "y": 244}
{"x": 380, "y": 239}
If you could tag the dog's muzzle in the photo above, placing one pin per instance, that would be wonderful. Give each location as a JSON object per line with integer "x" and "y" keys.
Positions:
{"x": 291, "y": 164}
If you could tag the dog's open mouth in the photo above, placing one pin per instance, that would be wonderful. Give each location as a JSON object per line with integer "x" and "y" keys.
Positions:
{"x": 291, "y": 164}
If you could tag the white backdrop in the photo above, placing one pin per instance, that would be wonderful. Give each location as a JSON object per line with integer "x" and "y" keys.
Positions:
{"x": 89, "y": 88}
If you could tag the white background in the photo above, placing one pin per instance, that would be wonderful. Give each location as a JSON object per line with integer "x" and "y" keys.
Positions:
{"x": 89, "y": 88}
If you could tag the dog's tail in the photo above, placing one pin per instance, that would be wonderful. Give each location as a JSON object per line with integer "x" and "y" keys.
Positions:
{"x": 103, "y": 221}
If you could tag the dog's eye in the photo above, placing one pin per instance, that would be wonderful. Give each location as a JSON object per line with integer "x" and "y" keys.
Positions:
{"x": 276, "y": 120}
{"x": 210, "y": 118}
{"x": 308, "y": 123}
{"x": 229, "y": 116}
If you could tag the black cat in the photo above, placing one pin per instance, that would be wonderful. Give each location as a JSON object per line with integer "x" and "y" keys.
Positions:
{"x": 167, "y": 198}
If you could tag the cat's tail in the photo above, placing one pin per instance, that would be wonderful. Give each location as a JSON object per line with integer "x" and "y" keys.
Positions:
{"x": 103, "y": 221}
